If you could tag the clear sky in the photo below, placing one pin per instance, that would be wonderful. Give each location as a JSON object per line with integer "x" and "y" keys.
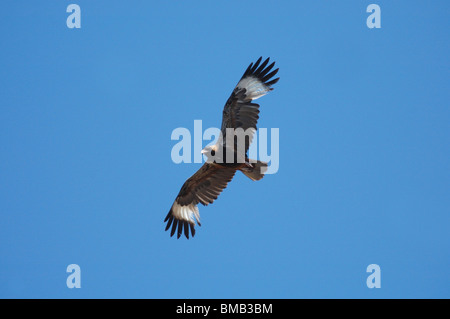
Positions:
{"x": 86, "y": 175}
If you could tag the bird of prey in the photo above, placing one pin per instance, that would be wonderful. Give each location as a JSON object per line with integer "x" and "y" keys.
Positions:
{"x": 212, "y": 178}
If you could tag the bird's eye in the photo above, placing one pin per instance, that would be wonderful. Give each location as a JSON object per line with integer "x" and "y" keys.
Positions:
{"x": 213, "y": 152}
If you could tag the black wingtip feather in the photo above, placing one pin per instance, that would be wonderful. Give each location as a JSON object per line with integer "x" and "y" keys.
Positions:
{"x": 261, "y": 71}
{"x": 192, "y": 229}
{"x": 270, "y": 75}
{"x": 174, "y": 227}
{"x": 261, "y": 67}
{"x": 168, "y": 215}
{"x": 256, "y": 64}
{"x": 169, "y": 223}
{"x": 247, "y": 72}
{"x": 266, "y": 70}
{"x": 272, "y": 82}
{"x": 186, "y": 229}
{"x": 180, "y": 228}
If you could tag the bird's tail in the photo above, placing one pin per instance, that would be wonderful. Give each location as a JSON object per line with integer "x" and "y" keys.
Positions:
{"x": 255, "y": 171}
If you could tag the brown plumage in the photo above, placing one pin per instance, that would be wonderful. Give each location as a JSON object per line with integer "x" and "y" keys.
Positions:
{"x": 212, "y": 178}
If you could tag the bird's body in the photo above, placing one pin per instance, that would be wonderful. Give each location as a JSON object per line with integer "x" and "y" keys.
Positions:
{"x": 229, "y": 154}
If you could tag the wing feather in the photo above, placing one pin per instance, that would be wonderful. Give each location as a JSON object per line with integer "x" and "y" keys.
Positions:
{"x": 203, "y": 187}
{"x": 239, "y": 111}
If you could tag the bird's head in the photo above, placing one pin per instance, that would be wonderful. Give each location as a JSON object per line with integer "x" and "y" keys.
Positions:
{"x": 211, "y": 152}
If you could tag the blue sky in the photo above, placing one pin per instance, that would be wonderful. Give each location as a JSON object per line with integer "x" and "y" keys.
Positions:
{"x": 86, "y": 175}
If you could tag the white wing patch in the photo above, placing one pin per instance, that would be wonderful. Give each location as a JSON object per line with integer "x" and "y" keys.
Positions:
{"x": 186, "y": 213}
{"x": 254, "y": 87}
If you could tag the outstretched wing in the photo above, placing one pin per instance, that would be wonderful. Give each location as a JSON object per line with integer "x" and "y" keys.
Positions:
{"x": 203, "y": 187}
{"x": 239, "y": 111}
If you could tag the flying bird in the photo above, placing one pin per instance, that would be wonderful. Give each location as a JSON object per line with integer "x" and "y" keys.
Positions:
{"x": 225, "y": 157}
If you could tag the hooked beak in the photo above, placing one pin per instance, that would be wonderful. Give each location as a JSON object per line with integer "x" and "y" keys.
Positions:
{"x": 204, "y": 151}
